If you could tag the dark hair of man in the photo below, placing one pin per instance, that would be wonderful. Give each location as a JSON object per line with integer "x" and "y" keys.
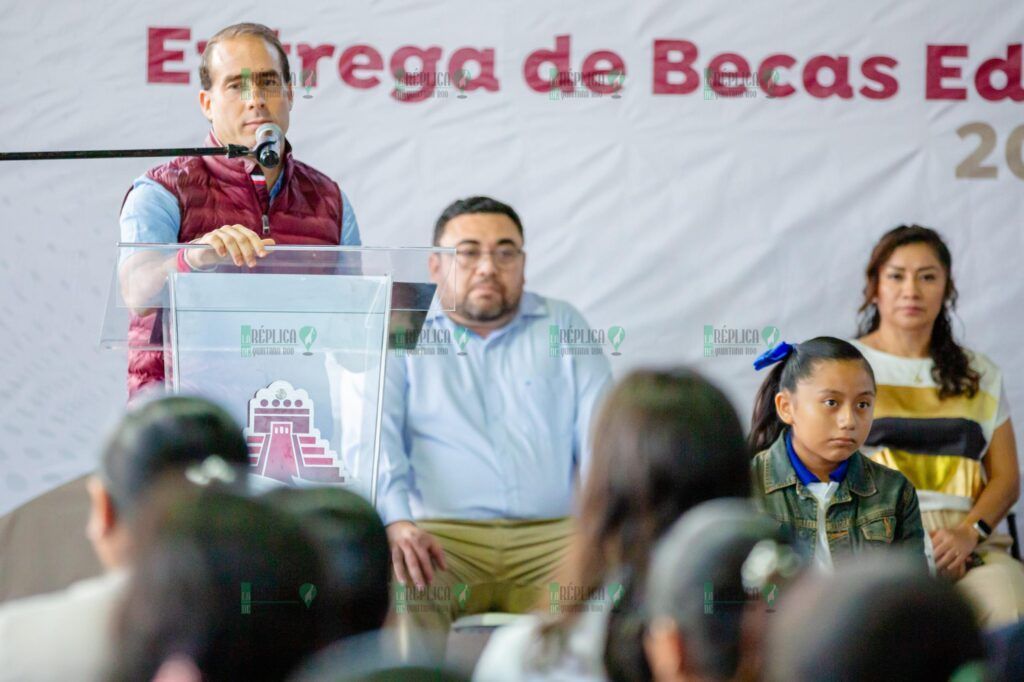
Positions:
{"x": 238, "y": 31}
{"x": 475, "y": 205}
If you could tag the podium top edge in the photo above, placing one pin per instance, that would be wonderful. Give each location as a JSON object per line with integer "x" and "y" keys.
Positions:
{"x": 299, "y": 248}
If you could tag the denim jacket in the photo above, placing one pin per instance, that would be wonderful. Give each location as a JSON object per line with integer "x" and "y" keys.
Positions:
{"x": 874, "y": 506}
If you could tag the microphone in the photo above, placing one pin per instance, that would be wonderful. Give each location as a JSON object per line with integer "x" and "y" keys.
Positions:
{"x": 269, "y": 145}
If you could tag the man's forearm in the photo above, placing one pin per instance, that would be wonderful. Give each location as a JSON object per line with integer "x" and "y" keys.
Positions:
{"x": 142, "y": 277}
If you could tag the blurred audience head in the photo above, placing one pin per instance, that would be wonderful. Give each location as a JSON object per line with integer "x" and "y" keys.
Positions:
{"x": 223, "y": 587}
{"x": 713, "y": 578}
{"x": 357, "y": 561}
{"x": 879, "y": 619}
{"x": 663, "y": 442}
{"x": 153, "y": 438}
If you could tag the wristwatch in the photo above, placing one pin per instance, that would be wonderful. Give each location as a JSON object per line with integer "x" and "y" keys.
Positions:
{"x": 983, "y": 529}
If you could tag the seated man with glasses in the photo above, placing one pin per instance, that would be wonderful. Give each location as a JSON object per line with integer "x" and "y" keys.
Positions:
{"x": 483, "y": 442}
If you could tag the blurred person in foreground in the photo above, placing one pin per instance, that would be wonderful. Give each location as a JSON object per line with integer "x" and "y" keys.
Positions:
{"x": 224, "y": 588}
{"x": 664, "y": 441}
{"x": 713, "y": 582}
{"x": 66, "y": 634}
{"x": 876, "y": 620}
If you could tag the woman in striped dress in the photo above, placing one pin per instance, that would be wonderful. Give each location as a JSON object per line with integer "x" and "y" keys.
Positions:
{"x": 942, "y": 419}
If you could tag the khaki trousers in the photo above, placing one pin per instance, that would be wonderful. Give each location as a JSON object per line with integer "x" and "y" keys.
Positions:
{"x": 498, "y": 565}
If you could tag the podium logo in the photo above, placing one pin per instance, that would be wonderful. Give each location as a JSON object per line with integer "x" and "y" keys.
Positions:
{"x": 283, "y": 441}
{"x": 264, "y": 341}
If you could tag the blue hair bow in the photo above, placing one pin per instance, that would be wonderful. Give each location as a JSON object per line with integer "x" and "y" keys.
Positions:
{"x": 781, "y": 351}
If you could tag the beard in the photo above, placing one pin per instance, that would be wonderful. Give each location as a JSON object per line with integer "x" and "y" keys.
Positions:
{"x": 475, "y": 311}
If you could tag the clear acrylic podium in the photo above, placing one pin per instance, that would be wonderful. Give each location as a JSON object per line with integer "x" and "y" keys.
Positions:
{"x": 294, "y": 348}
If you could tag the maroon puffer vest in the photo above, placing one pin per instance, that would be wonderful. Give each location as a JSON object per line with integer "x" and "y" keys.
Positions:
{"x": 213, "y": 191}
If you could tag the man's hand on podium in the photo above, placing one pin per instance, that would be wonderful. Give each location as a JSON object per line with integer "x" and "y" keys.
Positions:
{"x": 414, "y": 553}
{"x": 237, "y": 241}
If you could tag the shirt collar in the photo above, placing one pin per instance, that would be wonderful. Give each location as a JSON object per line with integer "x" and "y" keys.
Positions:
{"x": 271, "y": 191}
{"x": 803, "y": 473}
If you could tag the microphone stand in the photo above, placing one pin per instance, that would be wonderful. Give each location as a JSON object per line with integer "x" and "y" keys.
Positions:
{"x": 231, "y": 151}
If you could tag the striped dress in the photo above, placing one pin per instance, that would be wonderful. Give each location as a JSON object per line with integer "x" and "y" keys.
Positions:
{"x": 937, "y": 444}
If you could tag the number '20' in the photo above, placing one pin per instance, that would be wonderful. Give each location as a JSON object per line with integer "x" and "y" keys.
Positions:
{"x": 972, "y": 167}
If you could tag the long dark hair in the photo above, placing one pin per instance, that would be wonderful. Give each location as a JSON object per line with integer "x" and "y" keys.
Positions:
{"x": 356, "y": 555}
{"x": 201, "y": 553}
{"x": 952, "y": 370}
{"x": 664, "y": 441}
{"x": 765, "y": 425}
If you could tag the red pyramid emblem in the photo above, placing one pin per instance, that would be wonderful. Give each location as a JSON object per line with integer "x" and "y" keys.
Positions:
{"x": 283, "y": 442}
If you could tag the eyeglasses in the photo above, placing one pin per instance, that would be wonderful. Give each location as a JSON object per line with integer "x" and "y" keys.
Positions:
{"x": 503, "y": 256}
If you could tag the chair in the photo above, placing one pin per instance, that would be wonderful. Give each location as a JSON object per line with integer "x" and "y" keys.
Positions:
{"x": 469, "y": 635}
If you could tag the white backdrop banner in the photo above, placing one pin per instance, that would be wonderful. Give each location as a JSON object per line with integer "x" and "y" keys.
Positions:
{"x": 701, "y": 176}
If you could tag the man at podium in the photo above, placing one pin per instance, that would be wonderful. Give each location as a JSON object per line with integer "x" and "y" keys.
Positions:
{"x": 482, "y": 446}
{"x": 236, "y": 206}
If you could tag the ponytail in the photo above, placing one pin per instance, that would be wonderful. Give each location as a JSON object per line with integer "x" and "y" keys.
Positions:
{"x": 765, "y": 425}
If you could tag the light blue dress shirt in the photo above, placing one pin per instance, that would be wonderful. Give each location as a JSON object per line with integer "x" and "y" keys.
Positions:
{"x": 498, "y": 432}
{"x": 151, "y": 215}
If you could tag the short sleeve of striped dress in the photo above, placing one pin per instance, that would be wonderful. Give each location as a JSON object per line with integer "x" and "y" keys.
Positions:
{"x": 936, "y": 443}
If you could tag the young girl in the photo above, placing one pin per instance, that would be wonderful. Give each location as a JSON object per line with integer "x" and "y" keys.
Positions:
{"x": 811, "y": 416}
